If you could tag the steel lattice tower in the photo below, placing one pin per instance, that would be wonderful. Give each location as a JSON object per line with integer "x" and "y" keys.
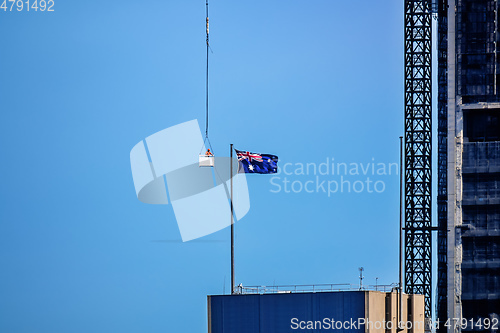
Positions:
{"x": 418, "y": 161}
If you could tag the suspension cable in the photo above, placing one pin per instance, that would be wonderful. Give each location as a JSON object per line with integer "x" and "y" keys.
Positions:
{"x": 208, "y": 46}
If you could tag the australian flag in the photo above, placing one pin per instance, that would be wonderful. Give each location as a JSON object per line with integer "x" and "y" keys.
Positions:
{"x": 256, "y": 163}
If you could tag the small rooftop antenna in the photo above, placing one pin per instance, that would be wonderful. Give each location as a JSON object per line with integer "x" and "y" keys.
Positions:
{"x": 361, "y": 277}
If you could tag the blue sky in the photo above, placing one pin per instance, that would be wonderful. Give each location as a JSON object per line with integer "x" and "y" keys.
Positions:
{"x": 80, "y": 86}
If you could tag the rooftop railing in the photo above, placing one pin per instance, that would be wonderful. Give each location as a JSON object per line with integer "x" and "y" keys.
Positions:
{"x": 311, "y": 288}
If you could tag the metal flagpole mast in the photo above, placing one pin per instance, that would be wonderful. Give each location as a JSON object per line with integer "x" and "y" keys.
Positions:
{"x": 232, "y": 223}
{"x": 401, "y": 200}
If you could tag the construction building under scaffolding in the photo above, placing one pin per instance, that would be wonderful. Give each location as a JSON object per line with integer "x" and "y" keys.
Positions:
{"x": 468, "y": 162}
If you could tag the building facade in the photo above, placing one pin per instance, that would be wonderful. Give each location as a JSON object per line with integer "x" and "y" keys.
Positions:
{"x": 468, "y": 164}
{"x": 336, "y": 311}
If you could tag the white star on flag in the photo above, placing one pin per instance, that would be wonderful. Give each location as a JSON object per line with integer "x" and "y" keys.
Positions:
{"x": 250, "y": 167}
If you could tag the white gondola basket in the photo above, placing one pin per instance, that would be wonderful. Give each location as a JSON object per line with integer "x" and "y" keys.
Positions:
{"x": 206, "y": 161}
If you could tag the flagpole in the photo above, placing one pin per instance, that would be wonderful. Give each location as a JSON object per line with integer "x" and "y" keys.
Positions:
{"x": 401, "y": 200}
{"x": 232, "y": 223}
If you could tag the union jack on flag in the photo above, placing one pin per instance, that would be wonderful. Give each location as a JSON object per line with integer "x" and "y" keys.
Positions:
{"x": 256, "y": 163}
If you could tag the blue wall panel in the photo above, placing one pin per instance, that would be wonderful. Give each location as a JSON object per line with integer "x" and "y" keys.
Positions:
{"x": 273, "y": 313}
